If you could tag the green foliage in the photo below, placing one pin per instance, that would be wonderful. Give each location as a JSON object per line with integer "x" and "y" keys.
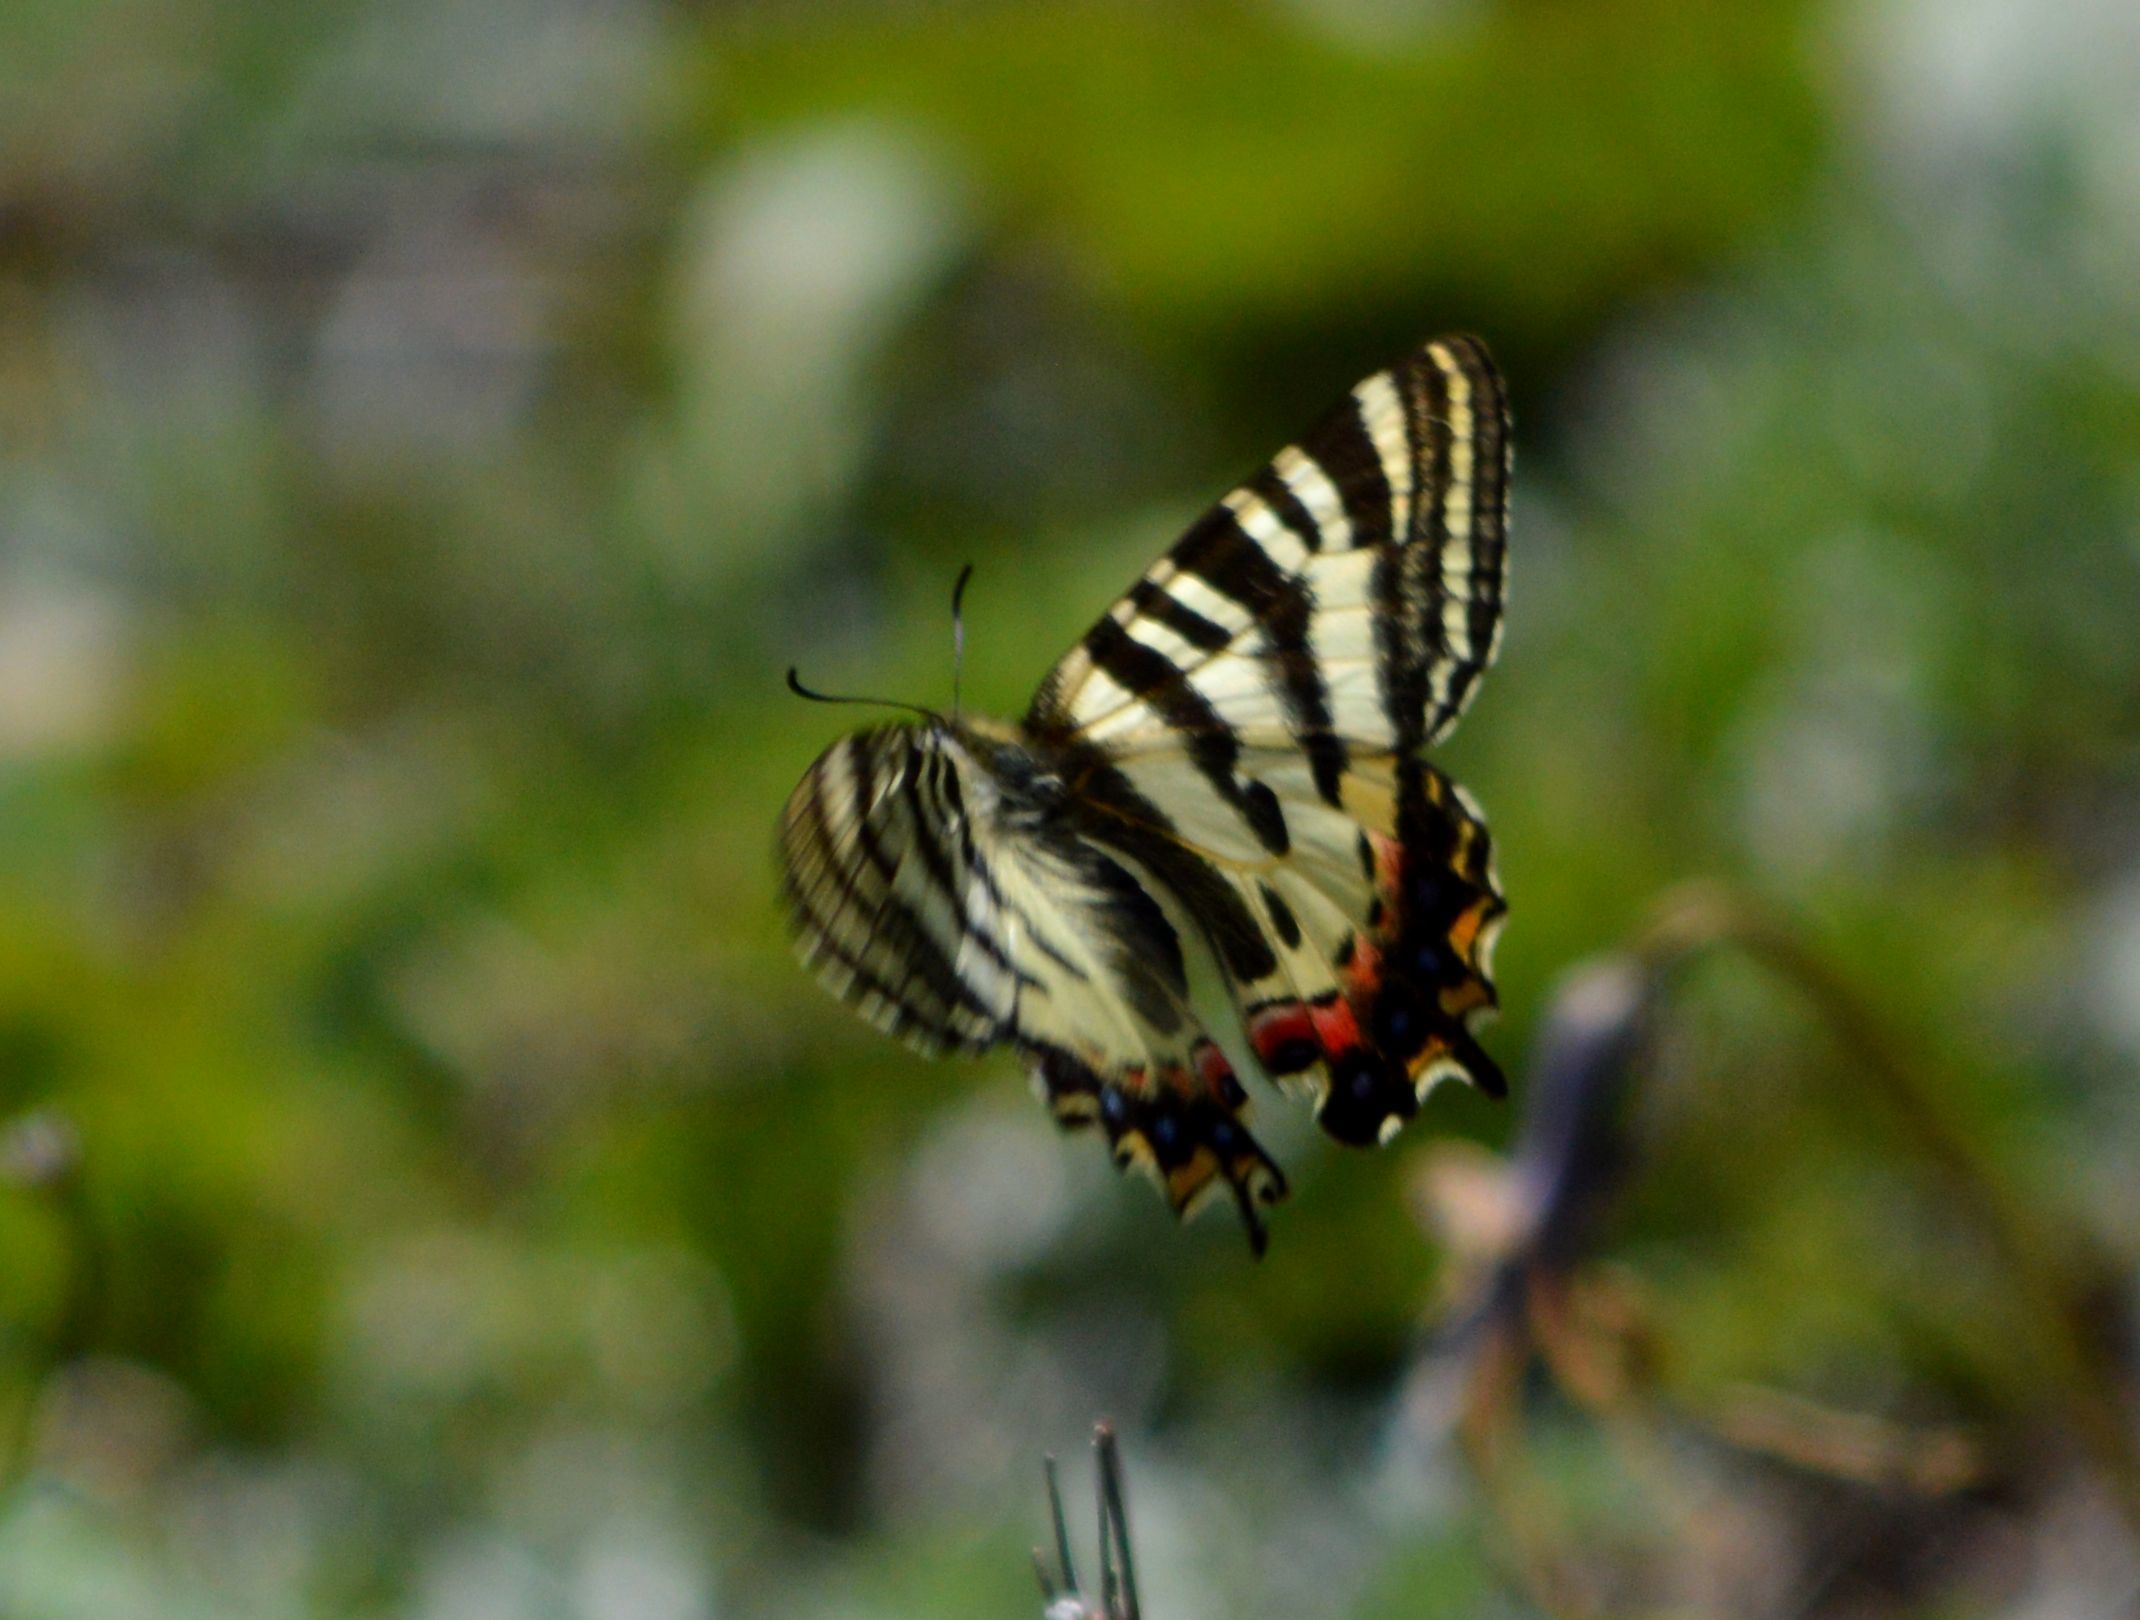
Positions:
{"x": 426, "y": 434}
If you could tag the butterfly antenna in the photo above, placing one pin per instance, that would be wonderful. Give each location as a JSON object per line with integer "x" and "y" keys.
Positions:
{"x": 796, "y": 686}
{"x": 958, "y": 636}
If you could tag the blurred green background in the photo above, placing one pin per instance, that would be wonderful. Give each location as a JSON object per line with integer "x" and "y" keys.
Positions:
{"x": 427, "y": 431}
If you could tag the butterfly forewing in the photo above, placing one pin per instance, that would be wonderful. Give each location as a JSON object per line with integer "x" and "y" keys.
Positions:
{"x": 1226, "y": 769}
{"x": 1350, "y": 590}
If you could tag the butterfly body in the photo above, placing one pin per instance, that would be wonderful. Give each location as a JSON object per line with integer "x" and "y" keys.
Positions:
{"x": 1224, "y": 777}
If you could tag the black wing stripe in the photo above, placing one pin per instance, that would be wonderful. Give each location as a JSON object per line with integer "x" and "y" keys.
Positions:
{"x": 1278, "y": 495}
{"x": 905, "y": 1017}
{"x": 894, "y": 929}
{"x": 824, "y": 935}
{"x": 1029, "y": 932}
{"x": 1443, "y": 662}
{"x": 1398, "y": 669}
{"x": 1148, "y": 674}
{"x": 1143, "y": 948}
{"x": 1295, "y": 677}
{"x": 922, "y": 793}
{"x": 1152, "y": 602}
{"x": 856, "y": 930}
{"x": 1426, "y": 426}
{"x": 1109, "y": 810}
{"x": 1342, "y": 446}
{"x": 1462, "y": 412}
{"x": 1416, "y": 587}
{"x": 1489, "y": 507}
{"x": 1221, "y": 553}
{"x": 1218, "y": 551}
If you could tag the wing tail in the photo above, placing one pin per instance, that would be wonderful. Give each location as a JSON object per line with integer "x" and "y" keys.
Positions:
{"x": 1181, "y": 1124}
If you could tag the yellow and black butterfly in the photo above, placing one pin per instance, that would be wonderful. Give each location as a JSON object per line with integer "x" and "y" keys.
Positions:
{"x": 1222, "y": 779}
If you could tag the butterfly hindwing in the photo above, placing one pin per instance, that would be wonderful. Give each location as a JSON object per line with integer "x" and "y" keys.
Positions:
{"x": 1360, "y": 955}
{"x": 1408, "y": 934}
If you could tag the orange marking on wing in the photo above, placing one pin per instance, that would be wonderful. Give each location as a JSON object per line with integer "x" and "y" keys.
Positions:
{"x": 1460, "y": 999}
{"x": 1464, "y": 932}
{"x": 1185, "y": 1181}
{"x": 1435, "y": 1049}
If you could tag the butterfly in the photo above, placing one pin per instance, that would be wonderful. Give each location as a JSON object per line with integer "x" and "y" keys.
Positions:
{"x": 1218, "y": 795}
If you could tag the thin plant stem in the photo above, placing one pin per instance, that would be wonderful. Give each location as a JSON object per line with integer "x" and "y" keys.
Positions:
{"x": 1064, "y": 1561}
{"x": 1114, "y": 1517}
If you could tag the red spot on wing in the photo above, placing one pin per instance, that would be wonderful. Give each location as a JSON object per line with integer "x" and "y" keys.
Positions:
{"x": 1336, "y": 1029}
{"x": 1389, "y": 862}
{"x": 1363, "y": 972}
{"x": 1284, "y": 1037}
